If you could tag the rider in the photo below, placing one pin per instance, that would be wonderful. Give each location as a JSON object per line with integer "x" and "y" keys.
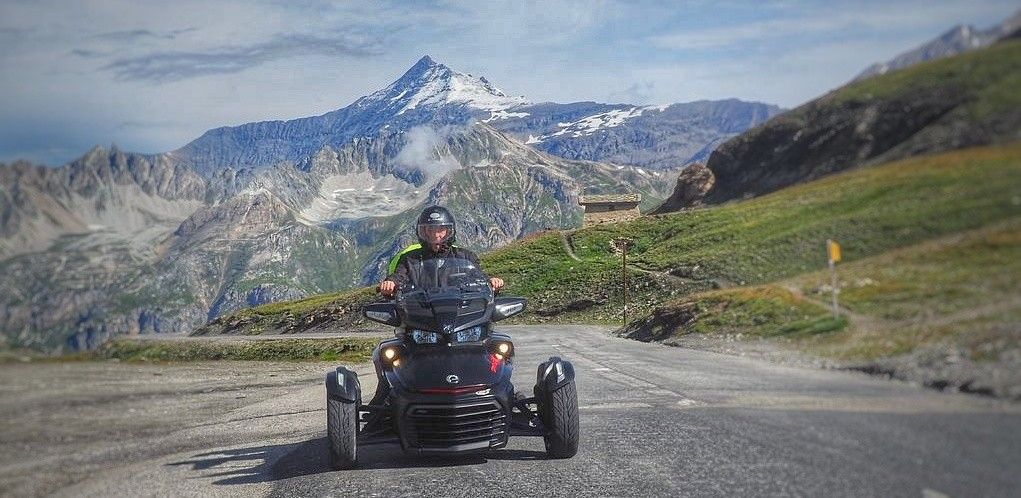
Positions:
{"x": 436, "y": 232}
{"x": 435, "y": 229}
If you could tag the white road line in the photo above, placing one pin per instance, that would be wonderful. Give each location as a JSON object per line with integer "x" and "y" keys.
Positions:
{"x": 614, "y": 406}
{"x": 686, "y": 402}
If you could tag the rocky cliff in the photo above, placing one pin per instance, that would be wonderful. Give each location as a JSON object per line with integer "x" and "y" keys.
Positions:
{"x": 952, "y": 103}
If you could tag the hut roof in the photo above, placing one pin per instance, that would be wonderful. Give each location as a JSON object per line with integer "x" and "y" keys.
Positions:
{"x": 609, "y": 198}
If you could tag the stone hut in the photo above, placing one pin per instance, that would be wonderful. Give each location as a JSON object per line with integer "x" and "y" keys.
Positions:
{"x": 609, "y": 208}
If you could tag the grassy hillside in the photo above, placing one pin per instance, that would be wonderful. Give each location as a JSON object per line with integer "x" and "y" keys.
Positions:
{"x": 962, "y": 289}
{"x": 947, "y": 281}
{"x": 146, "y": 349}
{"x": 319, "y": 313}
{"x": 942, "y": 312}
{"x": 778, "y": 236}
{"x": 964, "y": 101}
{"x": 870, "y": 211}
{"x": 992, "y": 75}
{"x": 350, "y": 350}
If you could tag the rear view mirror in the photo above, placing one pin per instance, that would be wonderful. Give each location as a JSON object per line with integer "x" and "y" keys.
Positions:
{"x": 385, "y": 313}
{"x": 506, "y": 307}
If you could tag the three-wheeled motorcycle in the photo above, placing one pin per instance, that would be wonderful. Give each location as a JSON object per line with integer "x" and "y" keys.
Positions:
{"x": 444, "y": 382}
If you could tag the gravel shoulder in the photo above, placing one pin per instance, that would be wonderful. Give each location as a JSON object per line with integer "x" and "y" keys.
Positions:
{"x": 62, "y": 423}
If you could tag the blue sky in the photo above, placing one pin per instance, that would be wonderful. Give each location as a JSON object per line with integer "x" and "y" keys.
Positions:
{"x": 151, "y": 76}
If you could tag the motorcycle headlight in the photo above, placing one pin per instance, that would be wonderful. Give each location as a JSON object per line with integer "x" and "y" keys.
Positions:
{"x": 468, "y": 335}
{"x": 424, "y": 337}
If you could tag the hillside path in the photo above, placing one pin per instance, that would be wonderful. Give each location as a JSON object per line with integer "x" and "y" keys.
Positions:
{"x": 671, "y": 279}
{"x": 567, "y": 246}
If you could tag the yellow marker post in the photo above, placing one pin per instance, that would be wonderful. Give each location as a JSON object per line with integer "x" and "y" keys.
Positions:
{"x": 833, "y": 253}
{"x": 833, "y": 249}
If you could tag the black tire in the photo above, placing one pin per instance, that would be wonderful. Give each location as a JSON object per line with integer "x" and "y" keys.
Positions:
{"x": 342, "y": 433}
{"x": 560, "y": 415}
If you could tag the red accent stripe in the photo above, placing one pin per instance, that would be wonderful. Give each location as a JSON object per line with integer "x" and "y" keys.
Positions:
{"x": 494, "y": 362}
{"x": 453, "y": 390}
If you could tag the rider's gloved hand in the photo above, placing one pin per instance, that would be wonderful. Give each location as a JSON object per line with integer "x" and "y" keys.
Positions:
{"x": 496, "y": 283}
{"x": 387, "y": 288}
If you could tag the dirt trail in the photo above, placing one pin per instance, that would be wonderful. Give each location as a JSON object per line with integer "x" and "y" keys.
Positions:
{"x": 567, "y": 246}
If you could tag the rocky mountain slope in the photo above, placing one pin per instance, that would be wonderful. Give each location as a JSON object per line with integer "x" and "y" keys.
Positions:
{"x": 206, "y": 246}
{"x": 118, "y": 243}
{"x": 942, "y": 105}
{"x": 656, "y": 137}
{"x": 127, "y": 194}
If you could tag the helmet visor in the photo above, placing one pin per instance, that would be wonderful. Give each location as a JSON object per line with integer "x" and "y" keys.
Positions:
{"x": 438, "y": 233}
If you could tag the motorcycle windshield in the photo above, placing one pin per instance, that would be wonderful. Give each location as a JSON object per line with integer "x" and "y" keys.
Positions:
{"x": 444, "y": 295}
{"x": 439, "y": 275}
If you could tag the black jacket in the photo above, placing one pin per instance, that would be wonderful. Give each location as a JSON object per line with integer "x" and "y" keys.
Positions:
{"x": 412, "y": 258}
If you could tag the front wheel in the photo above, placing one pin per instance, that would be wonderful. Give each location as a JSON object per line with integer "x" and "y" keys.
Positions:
{"x": 342, "y": 432}
{"x": 560, "y": 416}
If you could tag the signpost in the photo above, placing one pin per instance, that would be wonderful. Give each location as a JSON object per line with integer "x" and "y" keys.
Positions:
{"x": 622, "y": 244}
{"x": 833, "y": 253}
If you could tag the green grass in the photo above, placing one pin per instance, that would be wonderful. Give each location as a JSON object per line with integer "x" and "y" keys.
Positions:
{"x": 940, "y": 277}
{"x": 747, "y": 312}
{"x": 992, "y": 76}
{"x": 307, "y": 304}
{"x": 766, "y": 311}
{"x": 324, "y": 312}
{"x": 963, "y": 290}
{"x": 347, "y": 350}
{"x": 777, "y": 236}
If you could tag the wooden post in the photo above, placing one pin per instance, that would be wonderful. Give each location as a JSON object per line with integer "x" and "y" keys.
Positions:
{"x": 623, "y": 268}
{"x": 622, "y": 244}
{"x": 833, "y": 284}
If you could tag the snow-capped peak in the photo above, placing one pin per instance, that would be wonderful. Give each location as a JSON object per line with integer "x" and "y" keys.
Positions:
{"x": 429, "y": 83}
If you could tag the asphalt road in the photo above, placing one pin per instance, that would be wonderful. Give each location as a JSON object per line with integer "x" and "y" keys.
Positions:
{"x": 655, "y": 421}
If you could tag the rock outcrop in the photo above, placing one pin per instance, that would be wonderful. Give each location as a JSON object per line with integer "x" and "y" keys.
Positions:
{"x": 693, "y": 184}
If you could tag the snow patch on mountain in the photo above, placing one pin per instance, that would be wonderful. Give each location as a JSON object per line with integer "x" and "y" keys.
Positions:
{"x": 504, "y": 114}
{"x": 591, "y": 124}
{"x": 360, "y": 195}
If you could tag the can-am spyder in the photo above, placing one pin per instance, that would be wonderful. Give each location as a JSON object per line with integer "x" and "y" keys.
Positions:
{"x": 445, "y": 380}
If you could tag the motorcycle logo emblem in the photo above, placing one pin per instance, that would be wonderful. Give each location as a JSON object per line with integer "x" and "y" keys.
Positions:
{"x": 448, "y": 328}
{"x": 453, "y": 379}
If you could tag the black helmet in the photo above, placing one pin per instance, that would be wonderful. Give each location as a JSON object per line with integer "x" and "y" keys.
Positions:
{"x": 435, "y": 216}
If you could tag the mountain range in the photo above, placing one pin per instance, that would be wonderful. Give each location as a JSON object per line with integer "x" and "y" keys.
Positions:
{"x": 117, "y": 242}
{"x": 657, "y": 137}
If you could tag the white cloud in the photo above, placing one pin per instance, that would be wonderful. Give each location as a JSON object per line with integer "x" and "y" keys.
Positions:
{"x": 162, "y": 67}
{"x": 422, "y": 151}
